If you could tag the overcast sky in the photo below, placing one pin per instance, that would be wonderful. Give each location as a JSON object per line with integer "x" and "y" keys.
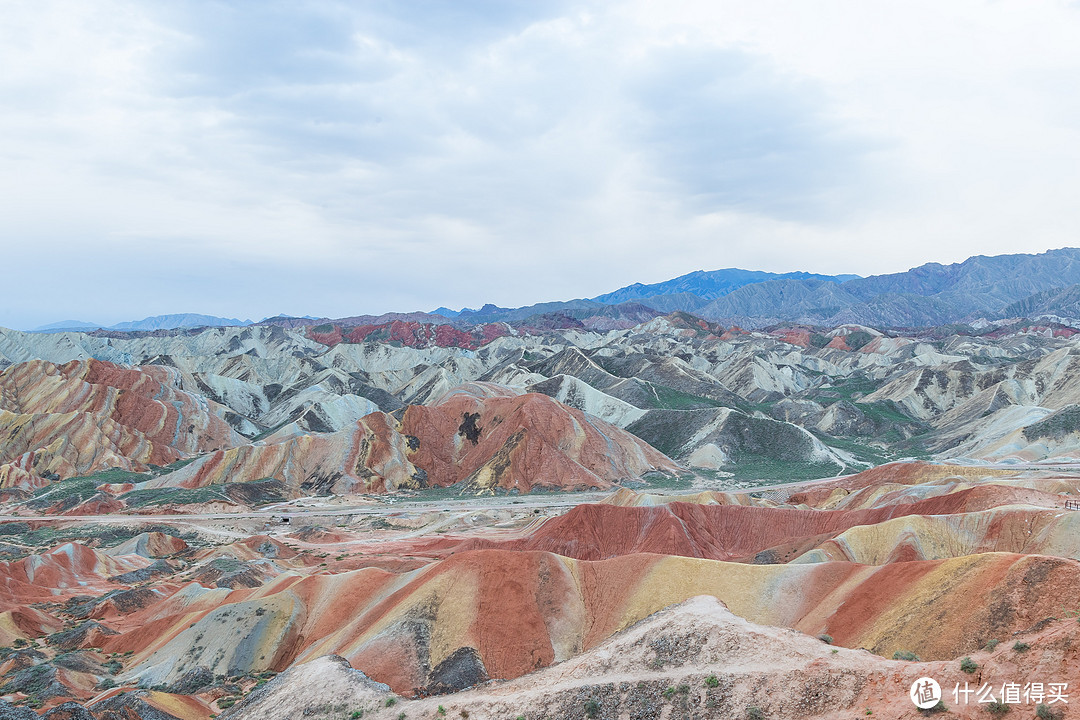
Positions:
{"x": 335, "y": 158}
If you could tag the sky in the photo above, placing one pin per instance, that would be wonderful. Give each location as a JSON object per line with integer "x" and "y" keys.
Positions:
{"x": 246, "y": 159}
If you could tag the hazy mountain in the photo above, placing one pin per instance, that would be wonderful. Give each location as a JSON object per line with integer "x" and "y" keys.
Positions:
{"x": 1063, "y": 302}
{"x": 67, "y": 326}
{"x": 182, "y": 320}
{"x": 157, "y": 322}
{"x": 930, "y": 294}
{"x": 706, "y": 285}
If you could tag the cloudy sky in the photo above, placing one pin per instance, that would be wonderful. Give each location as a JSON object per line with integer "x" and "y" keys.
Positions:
{"x": 335, "y": 158}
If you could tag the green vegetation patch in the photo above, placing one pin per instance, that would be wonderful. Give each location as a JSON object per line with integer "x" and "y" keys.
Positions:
{"x": 668, "y": 398}
{"x": 885, "y": 412}
{"x": 768, "y": 471}
{"x": 149, "y": 497}
{"x": 1064, "y": 422}
{"x": 851, "y": 389}
{"x": 96, "y": 535}
{"x": 858, "y": 339}
{"x": 663, "y": 481}
{"x": 157, "y": 470}
{"x": 69, "y": 493}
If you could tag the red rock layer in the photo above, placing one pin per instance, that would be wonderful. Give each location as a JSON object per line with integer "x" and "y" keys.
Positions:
{"x": 479, "y": 434}
{"x": 81, "y": 417}
{"x": 738, "y": 532}
{"x": 525, "y": 610}
{"x": 411, "y": 334}
{"x": 521, "y": 442}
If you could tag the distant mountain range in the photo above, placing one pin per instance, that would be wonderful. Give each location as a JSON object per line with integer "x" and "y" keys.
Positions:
{"x": 991, "y": 287}
{"x": 932, "y": 294}
{"x": 705, "y": 286}
{"x": 1044, "y": 284}
{"x": 157, "y": 322}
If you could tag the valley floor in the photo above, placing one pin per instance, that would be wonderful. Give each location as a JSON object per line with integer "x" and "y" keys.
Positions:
{"x": 807, "y": 599}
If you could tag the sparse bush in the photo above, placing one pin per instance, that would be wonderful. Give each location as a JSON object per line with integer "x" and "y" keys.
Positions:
{"x": 592, "y": 708}
{"x": 390, "y": 701}
{"x": 939, "y": 708}
{"x": 1043, "y": 712}
{"x": 465, "y": 714}
{"x": 356, "y": 715}
{"x": 991, "y": 644}
{"x": 669, "y": 693}
{"x": 226, "y": 702}
{"x": 968, "y": 665}
{"x": 827, "y": 639}
{"x": 442, "y": 710}
{"x": 905, "y": 655}
{"x": 1021, "y": 646}
{"x": 712, "y": 681}
{"x": 684, "y": 689}
{"x": 401, "y": 716}
{"x": 753, "y": 712}
{"x": 998, "y": 708}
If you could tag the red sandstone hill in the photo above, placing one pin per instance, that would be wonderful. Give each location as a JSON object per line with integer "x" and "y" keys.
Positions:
{"x": 480, "y": 436}
{"x": 514, "y": 612}
{"x": 961, "y": 520}
{"x": 85, "y": 416}
{"x": 488, "y": 438}
{"x": 409, "y": 333}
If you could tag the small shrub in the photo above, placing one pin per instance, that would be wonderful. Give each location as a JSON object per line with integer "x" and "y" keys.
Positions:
{"x": 1021, "y": 646}
{"x": 401, "y": 716}
{"x": 827, "y": 639}
{"x": 390, "y": 701}
{"x": 669, "y": 693}
{"x": 939, "y": 708}
{"x": 465, "y": 714}
{"x": 905, "y": 655}
{"x": 712, "y": 681}
{"x": 592, "y": 708}
{"x": 991, "y": 644}
{"x": 356, "y": 715}
{"x": 684, "y": 689}
{"x": 753, "y": 712}
{"x": 1043, "y": 712}
{"x": 998, "y": 708}
{"x": 226, "y": 702}
{"x": 968, "y": 665}
{"x": 442, "y": 710}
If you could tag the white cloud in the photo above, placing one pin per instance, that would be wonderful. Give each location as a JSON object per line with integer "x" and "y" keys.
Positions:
{"x": 329, "y": 158}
